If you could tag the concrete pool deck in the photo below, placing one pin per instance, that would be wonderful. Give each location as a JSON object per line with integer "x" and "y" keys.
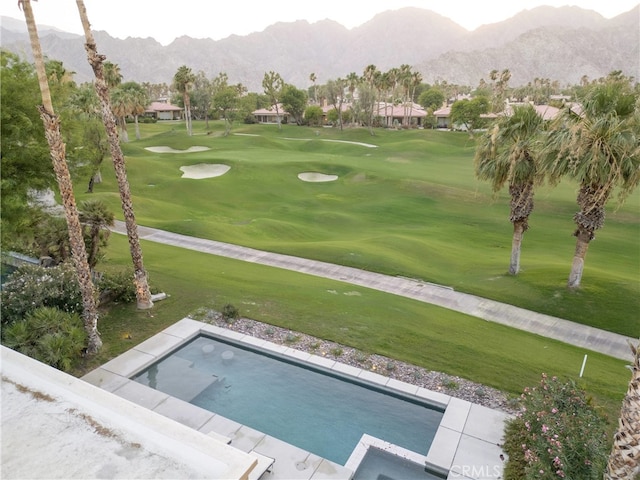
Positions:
{"x": 584, "y": 336}
{"x": 466, "y": 443}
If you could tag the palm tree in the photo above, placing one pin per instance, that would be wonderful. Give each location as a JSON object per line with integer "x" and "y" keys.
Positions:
{"x": 129, "y": 98}
{"x": 58, "y": 156}
{"x": 143, "y": 293}
{"x": 624, "y": 460}
{"x": 182, "y": 81}
{"x": 112, "y": 75}
{"x": 598, "y": 147}
{"x": 98, "y": 218}
{"x": 507, "y": 155}
{"x": 313, "y": 78}
{"x": 121, "y": 107}
{"x": 86, "y": 107}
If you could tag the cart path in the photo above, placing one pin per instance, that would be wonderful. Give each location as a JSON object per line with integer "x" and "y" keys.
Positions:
{"x": 590, "y": 338}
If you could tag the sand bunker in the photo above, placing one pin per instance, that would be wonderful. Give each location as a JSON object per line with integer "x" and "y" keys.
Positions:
{"x": 204, "y": 170}
{"x": 368, "y": 145}
{"x": 165, "y": 149}
{"x": 316, "y": 177}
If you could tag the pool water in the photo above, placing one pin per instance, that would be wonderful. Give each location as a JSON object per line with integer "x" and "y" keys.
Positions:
{"x": 306, "y": 406}
{"x": 380, "y": 465}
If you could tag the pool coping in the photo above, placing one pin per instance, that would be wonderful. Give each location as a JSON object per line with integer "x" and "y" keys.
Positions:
{"x": 466, "y": 443}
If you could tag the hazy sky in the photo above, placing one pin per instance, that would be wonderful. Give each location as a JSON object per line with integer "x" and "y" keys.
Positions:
{"x": 166, "y": 20}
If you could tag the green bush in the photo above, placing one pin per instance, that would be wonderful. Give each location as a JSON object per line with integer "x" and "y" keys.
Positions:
{"x": 32, "y": 286}
{"x": 49, "y": 335}
{"x": 117, "y": 286}
{"x": 230, "y": 313}
{"x": 557, "y": 434}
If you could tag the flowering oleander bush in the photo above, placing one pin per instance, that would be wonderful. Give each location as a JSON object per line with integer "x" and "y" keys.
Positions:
{"x": 31, "y": 286}
{"x": 557, "y": 434}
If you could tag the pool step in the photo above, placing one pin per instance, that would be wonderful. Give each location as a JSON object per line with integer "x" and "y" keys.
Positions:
{"x": 178, "y": 376}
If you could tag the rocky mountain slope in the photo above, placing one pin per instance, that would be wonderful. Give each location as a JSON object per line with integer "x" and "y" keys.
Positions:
{"x": 561, "y": 44}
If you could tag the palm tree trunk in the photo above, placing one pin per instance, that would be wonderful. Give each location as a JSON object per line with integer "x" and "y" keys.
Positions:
{"x": 187, "y": 110}
{"x": 143, "y": 294}
{"x": 521, "y": 206}
{"x": 58, "y": 157}
{"x": 591, "y": 199}
{"x": 124, "y": 134}
{"x": 624, "y": 461}
{"x": 135, "y": 119}
{"x": 583, "y": 237}
{"x": 519, "y": 228}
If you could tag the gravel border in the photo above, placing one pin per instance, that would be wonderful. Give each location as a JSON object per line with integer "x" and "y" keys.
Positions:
{"x": 437, "y": 381}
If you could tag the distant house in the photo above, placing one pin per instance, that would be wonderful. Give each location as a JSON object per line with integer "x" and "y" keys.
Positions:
{"x": 327, "y": 107}
{"x": 443, "y": 117}
{"x": 163, "y": 111}
{"x": 391, "y": 115}
{"x": 269, "y": 115}
{"x": 547, "y": 112}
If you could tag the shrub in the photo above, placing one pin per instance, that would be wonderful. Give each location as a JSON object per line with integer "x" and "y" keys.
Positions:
{"x": 31, "y": 287}
{"x": 230, "y": 313}
{"x": 291, "y": 338}
{"x": 336, "y": 352}
{"x": 450, "y": 383}
{"x": 117, "y": 286}
{"x": 49, "y": 335}
{"x": 557, "y": 434}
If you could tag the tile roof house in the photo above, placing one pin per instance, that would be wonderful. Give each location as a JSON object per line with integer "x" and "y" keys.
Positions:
{"x": 406, "y": 113}
{"x": 443, "y": 117}
{"x": 163, "y": 111}
{"x": 269, "y": 115}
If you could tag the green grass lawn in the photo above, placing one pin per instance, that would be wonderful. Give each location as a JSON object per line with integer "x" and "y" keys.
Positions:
{"x": 410, "y": 207}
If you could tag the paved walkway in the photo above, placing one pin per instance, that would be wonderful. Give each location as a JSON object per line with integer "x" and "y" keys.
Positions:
{"x": 566, "y": 331}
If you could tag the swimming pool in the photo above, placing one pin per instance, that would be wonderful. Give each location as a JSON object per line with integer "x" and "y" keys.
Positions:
{"x": 318, "y": 410}
{"x": 383, "y": 465}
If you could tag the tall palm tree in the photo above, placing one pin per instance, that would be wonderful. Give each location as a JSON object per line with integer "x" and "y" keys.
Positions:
{"x": 121, "y": 106}
{"x": 182, "y": 81}
{"x": 112, "y": 75}
{"x": 143, "y": 293}
{"x": 86, "y": 107}
{"x": 139, "y": 102}
{"x": 506, "y": 154}
{"x": 599, "y": 147}
{"x": 129, "y": 99}
{"x": 313, "y": 78}
{"x": 58, "y": 158}
{"x": 624, "y": 460}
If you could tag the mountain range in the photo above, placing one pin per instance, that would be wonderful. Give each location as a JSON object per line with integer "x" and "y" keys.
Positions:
{"x": 558, "y": 43}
